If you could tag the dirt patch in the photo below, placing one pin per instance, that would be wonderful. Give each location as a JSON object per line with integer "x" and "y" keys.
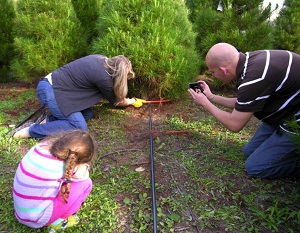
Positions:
{"x": 12, "y": 90}
{"x": 136, "y": 125}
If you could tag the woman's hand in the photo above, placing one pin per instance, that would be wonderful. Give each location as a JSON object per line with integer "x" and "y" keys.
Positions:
{"x": 126, "y": 102}
{"x": 133, "y": 101}
{"x": 138, "y": 102}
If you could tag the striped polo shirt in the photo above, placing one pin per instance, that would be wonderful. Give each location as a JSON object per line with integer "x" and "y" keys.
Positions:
{"x": 268, "y": 84}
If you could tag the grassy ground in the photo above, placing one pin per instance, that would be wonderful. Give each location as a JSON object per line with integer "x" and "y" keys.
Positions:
{"x": 201, "y": 184}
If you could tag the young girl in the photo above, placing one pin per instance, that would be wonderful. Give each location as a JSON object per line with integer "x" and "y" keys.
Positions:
{"x": 52, "y": 181}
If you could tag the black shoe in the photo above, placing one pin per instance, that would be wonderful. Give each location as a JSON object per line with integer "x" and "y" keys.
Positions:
{"x": 13, "y": 131}
{"x": 40, "y": 117}
{"x": 35, "y": 118}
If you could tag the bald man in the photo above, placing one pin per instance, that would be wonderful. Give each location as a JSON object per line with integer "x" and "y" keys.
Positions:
{"x": 268, "y": 87}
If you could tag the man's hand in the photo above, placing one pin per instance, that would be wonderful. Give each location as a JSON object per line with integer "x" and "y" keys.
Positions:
{"x": 206, "y": 89}
{"x": 199, "y": 98}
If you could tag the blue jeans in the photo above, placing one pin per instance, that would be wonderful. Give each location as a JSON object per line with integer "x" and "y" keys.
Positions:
{"x": 271, "y": 155}
{"x": 56, "y": 122}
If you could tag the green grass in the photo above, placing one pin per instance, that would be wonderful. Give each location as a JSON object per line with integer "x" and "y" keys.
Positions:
{"x": 201, "y": 183}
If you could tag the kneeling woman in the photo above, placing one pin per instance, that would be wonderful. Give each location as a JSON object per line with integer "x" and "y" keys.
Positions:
{"x": 69, "y": 92}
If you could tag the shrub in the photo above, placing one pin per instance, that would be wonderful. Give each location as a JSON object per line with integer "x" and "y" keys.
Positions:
{"x": 242, "y": 23}
{"x": 47, "y": 35}
{"x": 88, "y": 13}
{"x": 7, "y": 13}
{"x": 157, "y": 37}
{"x": 287, "y": 27}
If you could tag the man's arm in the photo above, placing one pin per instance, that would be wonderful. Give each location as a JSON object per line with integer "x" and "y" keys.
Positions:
{"x": 226, "y": 102}
{"x": 234, "y": 121}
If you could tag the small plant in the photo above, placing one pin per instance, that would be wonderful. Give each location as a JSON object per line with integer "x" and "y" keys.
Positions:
{"x": 274, "y": 217}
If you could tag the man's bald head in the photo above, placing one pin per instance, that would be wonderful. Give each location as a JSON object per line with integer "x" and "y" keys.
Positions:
{"x": 221, "y": 54}
{"x": 222, "y": 60}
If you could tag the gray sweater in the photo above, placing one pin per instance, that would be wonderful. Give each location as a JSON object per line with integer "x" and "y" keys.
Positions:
{"x": 80, "y": 84}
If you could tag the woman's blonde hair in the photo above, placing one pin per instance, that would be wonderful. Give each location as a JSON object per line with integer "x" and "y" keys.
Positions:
{"x": 74, "y": 147}
{"x": 120, "y": 69}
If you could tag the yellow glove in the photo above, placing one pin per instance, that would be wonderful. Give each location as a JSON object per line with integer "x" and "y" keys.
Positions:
{"x": 138, "y": 102}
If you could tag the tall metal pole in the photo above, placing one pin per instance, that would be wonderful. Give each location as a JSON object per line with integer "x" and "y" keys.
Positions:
{"x": 154, "y": 214}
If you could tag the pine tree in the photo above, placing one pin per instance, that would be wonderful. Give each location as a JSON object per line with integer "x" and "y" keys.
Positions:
{"x": 195, "y": 7}
{"x": 7, "y": 18}
{"x": 287, "y": 27}
{"x": 249, "y": 27}
{"x": 88, "y": 13}
{"x": 242, "y": 23}
{"x": 47, "y": 35}
{"x": 157, "y": 37}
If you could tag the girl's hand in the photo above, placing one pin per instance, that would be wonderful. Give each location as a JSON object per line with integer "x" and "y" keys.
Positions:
{"x": 80, "y": 171}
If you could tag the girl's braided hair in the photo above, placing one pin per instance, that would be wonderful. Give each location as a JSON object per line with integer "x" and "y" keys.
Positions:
{"x": 74, "y": 147}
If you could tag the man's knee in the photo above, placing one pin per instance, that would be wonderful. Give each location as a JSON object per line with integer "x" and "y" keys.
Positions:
{"x": 254, "y": 171}
{"x": 251, "y": 169}
{"x": 247, "y": 151}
